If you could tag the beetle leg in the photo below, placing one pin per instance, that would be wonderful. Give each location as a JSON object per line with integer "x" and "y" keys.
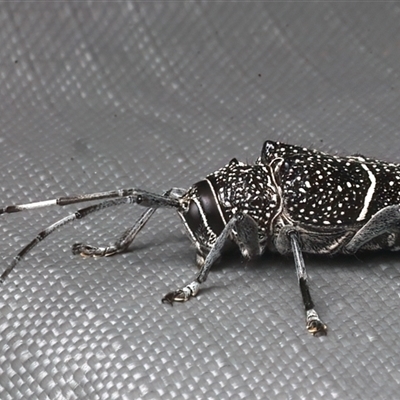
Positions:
{"x": 247, "y": 236}
{"x": 314, "y": 324}
{"x": 247, "y": 239}
{"x": 386, "y": 220}
{"x": 120, "y": 245}
{"x": 125, "y": 240}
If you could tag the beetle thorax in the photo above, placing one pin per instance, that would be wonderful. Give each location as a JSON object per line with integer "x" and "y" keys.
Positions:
{"x": 235, "y": 188}
{"x": 250, "y": 189}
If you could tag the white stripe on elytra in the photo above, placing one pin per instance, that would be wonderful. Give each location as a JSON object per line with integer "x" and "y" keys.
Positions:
{"x": 370, "y": 193}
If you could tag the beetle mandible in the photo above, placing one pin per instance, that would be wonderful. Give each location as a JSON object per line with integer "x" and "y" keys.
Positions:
{"x": 291, "y": 200}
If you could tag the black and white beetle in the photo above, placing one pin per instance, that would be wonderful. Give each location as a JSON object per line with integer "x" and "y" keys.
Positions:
{"x": 291, "y": 200}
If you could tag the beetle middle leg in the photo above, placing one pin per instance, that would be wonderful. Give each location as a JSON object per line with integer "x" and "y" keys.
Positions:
{"x": 314, "y": 324}
{"x": 244, "y": 231}
{"x": 288, "y": 240}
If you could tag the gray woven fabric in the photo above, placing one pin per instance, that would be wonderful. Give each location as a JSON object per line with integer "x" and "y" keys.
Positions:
{"x": 97, "y": 96}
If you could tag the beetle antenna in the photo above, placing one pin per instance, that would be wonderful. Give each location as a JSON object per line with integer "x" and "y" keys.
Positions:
{"x": 139, "y": 196}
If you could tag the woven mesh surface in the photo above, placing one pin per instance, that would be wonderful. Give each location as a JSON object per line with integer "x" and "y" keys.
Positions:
{"x": 97, "y": 96}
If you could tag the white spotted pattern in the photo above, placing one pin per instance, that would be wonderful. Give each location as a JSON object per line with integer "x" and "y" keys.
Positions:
{"x": 324, "y": 190}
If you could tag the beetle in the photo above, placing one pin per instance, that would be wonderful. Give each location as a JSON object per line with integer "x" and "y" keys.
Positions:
{"x": 292, "y": 200}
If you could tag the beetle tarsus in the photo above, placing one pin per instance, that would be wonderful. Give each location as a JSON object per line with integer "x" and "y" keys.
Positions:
{"x": 182, "y": 295}
{"x": 171, "y": 297}
{"x": 91, "y": 251}
{"x": 314, "y": 324}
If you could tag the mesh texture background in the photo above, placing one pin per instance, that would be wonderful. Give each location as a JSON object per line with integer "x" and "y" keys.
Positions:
{"x": 97, "y": 96}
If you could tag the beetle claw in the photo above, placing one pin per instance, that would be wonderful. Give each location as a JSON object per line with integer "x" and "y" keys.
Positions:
{"x": 177, "y": 295}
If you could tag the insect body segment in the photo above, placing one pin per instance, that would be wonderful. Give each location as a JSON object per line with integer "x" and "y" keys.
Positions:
{"x": 291, "y": 200}
{"x": 328, "y": 190}
{"x": 235, "y": 188}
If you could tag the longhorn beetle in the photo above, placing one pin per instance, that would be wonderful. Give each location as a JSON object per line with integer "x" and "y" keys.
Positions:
{"x": 291, "y": 200}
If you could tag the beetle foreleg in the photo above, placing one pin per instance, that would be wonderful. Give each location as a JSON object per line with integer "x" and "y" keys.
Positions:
{"x": 247, "y": 236}
{"x": 314, "y": 324}
{"x": 247, "y": 240}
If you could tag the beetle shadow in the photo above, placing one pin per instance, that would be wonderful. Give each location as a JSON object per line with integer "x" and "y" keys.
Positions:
{"x": 277, "y": 268}
{"x": 279, "y": 265}
{"x": 285, "y": 262}
{"x": 361, "y": 260}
